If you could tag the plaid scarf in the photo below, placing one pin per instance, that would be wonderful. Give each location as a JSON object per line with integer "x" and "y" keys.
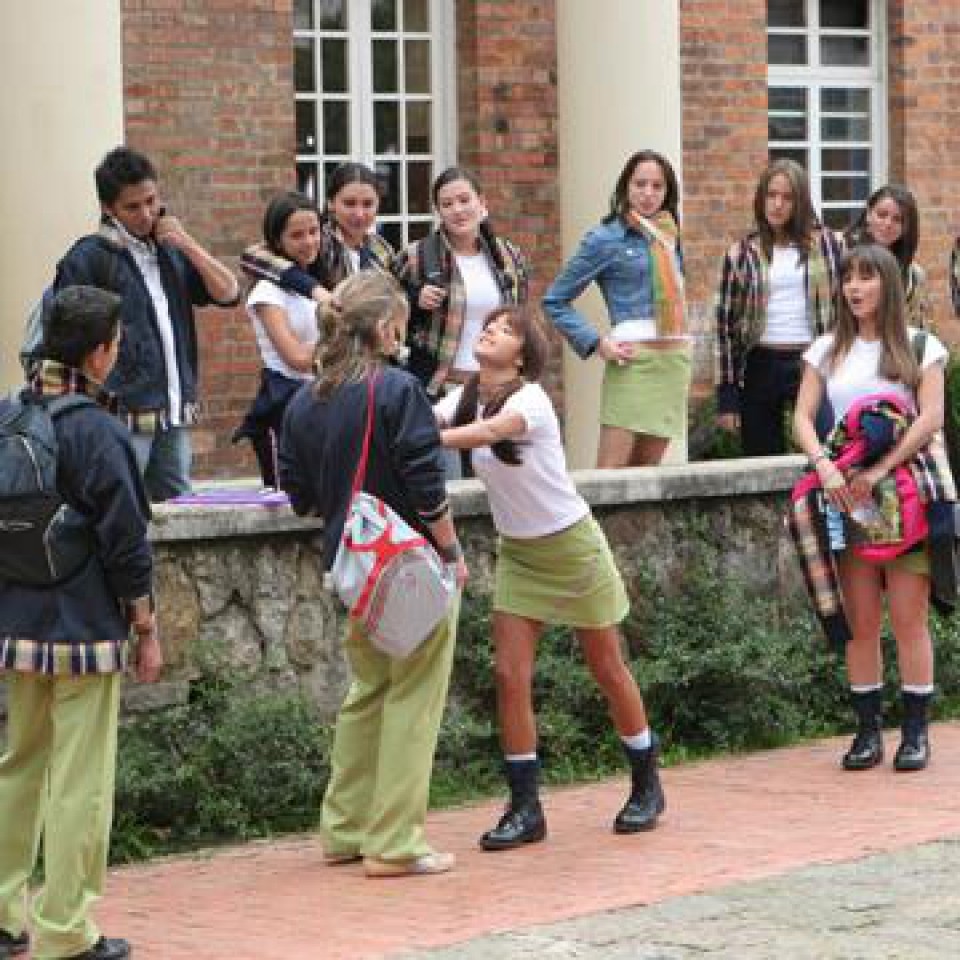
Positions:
{"x": 50, "y": 378}
{"x": 443, "y": 335}
{"x": 663, "y": 238}
{"x": 744, "y": 296}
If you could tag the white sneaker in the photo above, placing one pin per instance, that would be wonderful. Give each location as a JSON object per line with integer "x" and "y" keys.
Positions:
{"x": 427, "y": 865}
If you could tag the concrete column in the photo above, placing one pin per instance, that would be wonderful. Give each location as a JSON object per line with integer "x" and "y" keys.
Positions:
{"x": 618, "y": 79}
{"x": 61, "y": 66}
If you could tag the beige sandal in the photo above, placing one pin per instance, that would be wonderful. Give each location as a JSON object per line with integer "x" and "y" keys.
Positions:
{"x": 427, "y": 865}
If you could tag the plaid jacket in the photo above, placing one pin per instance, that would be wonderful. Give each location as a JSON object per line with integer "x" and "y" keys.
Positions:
{"x": 741, "y": 305}
{"x": 434, "y": 336}
{"x": 806, "y": 518}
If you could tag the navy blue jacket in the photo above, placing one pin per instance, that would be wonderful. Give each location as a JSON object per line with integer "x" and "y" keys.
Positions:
{"x": 321, "y": 443}
{"x": 140, "y": 376}
{"x": 96, "y": 474}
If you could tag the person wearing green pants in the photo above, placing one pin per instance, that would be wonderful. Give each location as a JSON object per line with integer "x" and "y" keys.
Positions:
{"x": 376, "y": 802}
{"x": 63, "y": 648}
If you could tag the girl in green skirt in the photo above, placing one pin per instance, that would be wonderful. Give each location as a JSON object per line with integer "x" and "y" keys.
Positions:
{"x": 554, "y": 566}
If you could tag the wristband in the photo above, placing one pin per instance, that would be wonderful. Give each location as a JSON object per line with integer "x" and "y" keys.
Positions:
{"x": 451, "y": 553}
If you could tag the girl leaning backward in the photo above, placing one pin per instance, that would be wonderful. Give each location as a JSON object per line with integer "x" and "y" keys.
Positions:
{"x": 386, "y": 733}
{"x": 872, "y": 353}
{"x": 553, "y": 566}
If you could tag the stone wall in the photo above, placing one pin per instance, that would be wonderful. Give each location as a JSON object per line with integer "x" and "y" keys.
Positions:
{"x": 240, "y": 589}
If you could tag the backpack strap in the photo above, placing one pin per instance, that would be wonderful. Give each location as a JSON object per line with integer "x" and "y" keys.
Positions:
{"x": 919, "y": 344}
{"x": 58, "y": 406}
{"x": 433, "y": 260}
{"x": 361, "y": 473}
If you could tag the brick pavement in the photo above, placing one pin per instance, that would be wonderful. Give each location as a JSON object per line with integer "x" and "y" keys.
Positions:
{"x": 728, "y": 821}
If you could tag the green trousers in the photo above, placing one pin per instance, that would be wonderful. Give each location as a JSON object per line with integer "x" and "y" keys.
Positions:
{"x": 57, "y": 779}
{"x": 385, "y": 739}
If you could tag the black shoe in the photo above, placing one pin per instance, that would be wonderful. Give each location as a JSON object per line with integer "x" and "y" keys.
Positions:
{"x": 11, "y": 946}
{"x": 865, "y": 752}
{"x": 518, "y": 825}
{"x": 105, "y": 948}
{"x": 646, "y": 801}
{"x": 913, "y": 752}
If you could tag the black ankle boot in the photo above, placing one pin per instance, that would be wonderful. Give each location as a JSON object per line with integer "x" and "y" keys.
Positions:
{"x": 866, "y": 751}
{"x": 914, "y": 750}
{"x": 646, "y": 801}
{"x": 523, "y": 820}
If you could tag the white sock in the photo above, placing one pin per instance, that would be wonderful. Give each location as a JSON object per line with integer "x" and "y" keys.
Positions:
{"x": 519, "y": 757}
{"x": 920, "y": 688}
{"x": 638, "y": 741}
{"x": 865, "y": 687}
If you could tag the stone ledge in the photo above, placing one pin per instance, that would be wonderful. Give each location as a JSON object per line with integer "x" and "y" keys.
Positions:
{"x": 715, "y": 478}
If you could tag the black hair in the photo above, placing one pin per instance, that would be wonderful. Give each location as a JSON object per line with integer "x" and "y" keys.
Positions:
{"x": 121, "y": 167}
{"x": 279, "y": 210}
{"x": 80, "y": 320}
{"x": 619, "y": 199}
{"x": 905, "y": 247}
{"x": 487, "y": 235}
{"x": 528, "y": 325}
{"x": 351, "y": 172}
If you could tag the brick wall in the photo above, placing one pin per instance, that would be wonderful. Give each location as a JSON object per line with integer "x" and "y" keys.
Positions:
{"x": 507, "y": 105}
{"x": 723, "y": 58}
{"x": 924, "y": 70}
{"x": 209, "y": 96}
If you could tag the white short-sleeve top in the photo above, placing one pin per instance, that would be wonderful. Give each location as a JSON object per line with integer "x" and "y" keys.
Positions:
{"x": 301, "y": 315}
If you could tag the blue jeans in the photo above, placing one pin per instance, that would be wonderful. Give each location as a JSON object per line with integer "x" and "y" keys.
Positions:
{"x": 164, "y": 460}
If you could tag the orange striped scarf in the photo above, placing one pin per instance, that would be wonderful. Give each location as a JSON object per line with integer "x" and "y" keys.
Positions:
{"x": 663, "y": 236}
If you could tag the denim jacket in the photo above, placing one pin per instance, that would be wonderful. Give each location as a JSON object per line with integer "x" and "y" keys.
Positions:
{"x": 617, "y": 257}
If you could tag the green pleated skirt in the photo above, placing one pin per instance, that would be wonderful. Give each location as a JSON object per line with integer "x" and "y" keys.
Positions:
{"x": 649, "y": 394}
{"x": 567, "y": 578}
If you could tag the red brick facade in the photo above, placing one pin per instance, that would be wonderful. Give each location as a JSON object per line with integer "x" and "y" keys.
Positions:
{"x": 209, "y": 95}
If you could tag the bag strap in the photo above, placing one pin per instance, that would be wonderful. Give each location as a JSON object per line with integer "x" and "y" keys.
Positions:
{"x": 919, "y": 344}
{"x": 66, "y": 402}
{"x": 361, "y": 473}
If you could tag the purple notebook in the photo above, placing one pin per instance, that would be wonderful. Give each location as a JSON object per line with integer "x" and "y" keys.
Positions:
{"x": 232, "y": 497}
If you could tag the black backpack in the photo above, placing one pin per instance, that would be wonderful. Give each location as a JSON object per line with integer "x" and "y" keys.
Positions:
{"x": 951, "y": 404}
{"x": 43, "y": 540}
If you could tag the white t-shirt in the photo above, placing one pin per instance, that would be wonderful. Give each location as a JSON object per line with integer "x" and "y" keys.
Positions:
{"x": 482, "y": 295}
{"x": 787, "y": 320}
{"x": 536, "y": 497}
{"x": 145, "y": 256}
{"x": 856, "y": 376}
{"x": 301, "y": 313}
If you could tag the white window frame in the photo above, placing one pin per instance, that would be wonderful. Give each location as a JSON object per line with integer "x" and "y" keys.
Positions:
{"x": 359, "y": 59}
{"x": 814, "y": 77}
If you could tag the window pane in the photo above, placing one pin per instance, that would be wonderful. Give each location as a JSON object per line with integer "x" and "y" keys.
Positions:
{"x": 416, "y": 16}
{"x": 843, "y": 129}
{"x": 847, "y": 161}
{"x": 853, "y": 14}
{"x": 383, "y": 14}
{"x": 845, "y": 51}
{"x": 418, "y": 127}
{"x": 392, "y": 233}
{"x": 786, "y": 49}
{"x": 335, "y": 79}
{"x": 845, "y": 189}
{"x": 786, "y": 13}
{"x": 386, "y": 127}
{"x": 336, "y": 126}
{"x": 418, "y": 229}
{"x": 307, "y": 179}
{"x": 328, "y": 169}
{"x": 389, "y": 174}
{"x": 306, "y": 126}
{"x": 333, "y": 14}
{"x": 787, "y": 98}
{"x": 304, "y": 66}
{"x": 787, "y": 128}
{"x": 845, "y": 101}
{"x": 303, "y": 15}
{"x": 839, "y": 218}
{"x": 417, "y": 66}
{"x": 789, "y": 153}
{"x": 418, "y": 187}
{"x": 385, "y": 66}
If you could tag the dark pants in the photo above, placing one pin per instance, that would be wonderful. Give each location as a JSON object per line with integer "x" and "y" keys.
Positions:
{"x": 770, "y": 384}
{"x": 263, "y": 421}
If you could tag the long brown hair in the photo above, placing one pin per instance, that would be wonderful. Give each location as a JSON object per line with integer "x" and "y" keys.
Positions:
{"x": 352, "y": 326}
{"x": 905, "y": 246}
{"x": 897, "y": 361}
{"x": 535, "y": 351}
{"x": 803, "y": 219}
